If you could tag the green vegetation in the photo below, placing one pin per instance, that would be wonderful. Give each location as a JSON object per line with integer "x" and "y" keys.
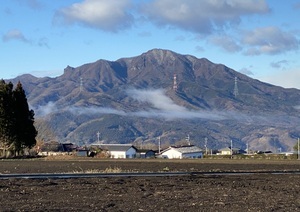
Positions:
{"x": 17, "y": 131}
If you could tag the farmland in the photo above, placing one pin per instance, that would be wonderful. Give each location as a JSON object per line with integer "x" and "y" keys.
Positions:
{"x": 253, "y": 192}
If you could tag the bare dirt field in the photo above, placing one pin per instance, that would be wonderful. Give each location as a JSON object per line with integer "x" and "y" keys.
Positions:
{"x": 253, "y": 192}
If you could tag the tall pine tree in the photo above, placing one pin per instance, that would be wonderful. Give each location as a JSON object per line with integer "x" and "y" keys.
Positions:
{"x": 7, "y": 133}
{"x": 16, "y": 120}
{"x": 25, "y": 130}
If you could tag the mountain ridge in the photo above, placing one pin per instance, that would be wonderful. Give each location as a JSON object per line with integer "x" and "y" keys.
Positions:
{"x": 117, "y": 92}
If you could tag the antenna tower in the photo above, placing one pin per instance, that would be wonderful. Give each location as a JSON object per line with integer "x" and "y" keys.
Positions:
{"x": 235, "y": 90}
{"x": 175, "y": 83}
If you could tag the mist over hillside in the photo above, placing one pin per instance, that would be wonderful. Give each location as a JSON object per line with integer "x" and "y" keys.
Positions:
{"x": 134, "y": 100}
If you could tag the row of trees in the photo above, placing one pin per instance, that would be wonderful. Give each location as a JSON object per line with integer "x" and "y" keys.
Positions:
{"x": 17, "y": 130}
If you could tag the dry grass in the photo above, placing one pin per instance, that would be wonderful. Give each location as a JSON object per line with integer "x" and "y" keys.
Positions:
{"x": 95, "y": 171}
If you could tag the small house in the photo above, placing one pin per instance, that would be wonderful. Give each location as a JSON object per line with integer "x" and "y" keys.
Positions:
{"x": 179, "y": 152}
{"x": 119, "y": 150}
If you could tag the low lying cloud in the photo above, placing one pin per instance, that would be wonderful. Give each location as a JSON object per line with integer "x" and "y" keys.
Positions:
{"x": 164, "y": 107}
{"x": 95, "y": 110}
{"x": 157, "y": 98}
{"x": 160, "y": 106}
{"x": 45, "y": 110}
{"x": 110, "y": 15}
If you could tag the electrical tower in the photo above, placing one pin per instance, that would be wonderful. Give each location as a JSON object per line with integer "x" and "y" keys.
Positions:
{"x": 81, "y": 84}
{"x": 175, "y": 83}
{"x": 235, "y": 90}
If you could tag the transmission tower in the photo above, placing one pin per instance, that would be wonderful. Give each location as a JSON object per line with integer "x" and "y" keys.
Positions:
{"x": 81, "y": 84}
{"x": 235, "y": 90}
{"x": 175, "y": 82}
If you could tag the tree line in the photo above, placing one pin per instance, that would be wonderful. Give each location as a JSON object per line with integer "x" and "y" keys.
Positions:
{"x": 17, "y": 131}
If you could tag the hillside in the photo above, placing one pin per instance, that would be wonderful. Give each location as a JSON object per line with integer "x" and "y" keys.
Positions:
{"x": 133, "y": 100}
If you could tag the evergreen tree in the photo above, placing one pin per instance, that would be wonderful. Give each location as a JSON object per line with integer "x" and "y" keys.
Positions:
{"x": 25, "y": 130}
{"x": 16, "y": 120}
{"x": 7, "y": 120}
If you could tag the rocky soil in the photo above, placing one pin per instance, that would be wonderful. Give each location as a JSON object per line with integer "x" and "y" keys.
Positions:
{"x": 251, "y": 192}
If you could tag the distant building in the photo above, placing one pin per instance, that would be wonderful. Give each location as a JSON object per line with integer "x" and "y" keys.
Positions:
{"x": 180, "y": 152}
{"x": 119, "y": 150}
{"x": 229, "y": 151}
{"x": 145, "y": 153}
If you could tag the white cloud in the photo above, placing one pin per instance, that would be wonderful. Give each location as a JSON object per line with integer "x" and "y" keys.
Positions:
{"x": 157, "y": 98}
{"x": 111, "y": 15}
{"x": 164, "y": 107}
{"x": 45, "y": 110}
{"x": 14, "y": 34}
{"x": 269, "y": 40}
{"x": 201, "y": 16}
{"x": 227, "y": 43}
{"x": 95, "y": 110}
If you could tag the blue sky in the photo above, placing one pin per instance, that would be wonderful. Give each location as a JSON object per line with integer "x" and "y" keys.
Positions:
{"x": 259, "y": 38}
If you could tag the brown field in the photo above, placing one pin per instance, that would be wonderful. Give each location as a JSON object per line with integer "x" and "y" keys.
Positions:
{"x": 254, "y": 192}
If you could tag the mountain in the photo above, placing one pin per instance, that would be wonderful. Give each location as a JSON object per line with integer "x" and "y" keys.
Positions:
{"x": 133, "y": 100}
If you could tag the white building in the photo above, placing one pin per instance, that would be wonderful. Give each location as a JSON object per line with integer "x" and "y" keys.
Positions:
{"x": 179, "y": 152}
{"x": 119, "y": 150}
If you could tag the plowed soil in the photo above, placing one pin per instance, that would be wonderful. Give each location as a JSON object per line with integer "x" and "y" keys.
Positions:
{"x": 250, "y": 192}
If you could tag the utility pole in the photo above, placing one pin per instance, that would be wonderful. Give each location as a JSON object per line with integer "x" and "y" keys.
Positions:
{"x": 188, "y": 139}
{"x": 159, "y": 145}
{"x": 205, "y": 145}
{"x": 247, "y": 148}
{"x": 298, "y": 149}
{"x": 98, "y": 136}
{"x": 231, "y": 152}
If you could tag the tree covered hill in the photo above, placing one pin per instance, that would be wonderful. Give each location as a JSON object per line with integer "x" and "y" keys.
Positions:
{"x": 133, "y": 100}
